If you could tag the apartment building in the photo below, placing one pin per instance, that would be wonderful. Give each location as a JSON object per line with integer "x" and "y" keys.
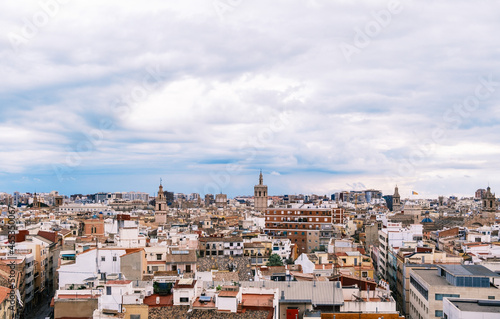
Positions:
{"x": 394, "y": 235}
{"x": 220, "y": 246}
{"x": 309, "y": 228}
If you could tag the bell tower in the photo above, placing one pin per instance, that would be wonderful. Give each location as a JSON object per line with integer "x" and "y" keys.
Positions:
{"x": 260, "y": 195}
{"x": 489, "y": 203}
{"x": 161, "y": 206}
{"x": 396, "y": 200}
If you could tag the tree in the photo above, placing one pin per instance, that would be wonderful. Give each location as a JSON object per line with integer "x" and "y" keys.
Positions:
{"x": 289, "y": 261}
{"x": 274, "y": 260}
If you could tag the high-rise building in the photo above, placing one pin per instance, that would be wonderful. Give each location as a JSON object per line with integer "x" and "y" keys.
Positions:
{"x": 260, "y": 195}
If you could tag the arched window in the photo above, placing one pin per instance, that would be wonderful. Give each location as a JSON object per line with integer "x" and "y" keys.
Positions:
{"x": 260, "y": 193}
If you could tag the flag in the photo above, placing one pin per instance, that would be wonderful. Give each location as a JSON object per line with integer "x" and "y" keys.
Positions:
{"x": 414, "y": 193}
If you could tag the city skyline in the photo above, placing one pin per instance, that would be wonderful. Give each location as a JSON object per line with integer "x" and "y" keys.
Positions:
{"x": 322, "y": 97}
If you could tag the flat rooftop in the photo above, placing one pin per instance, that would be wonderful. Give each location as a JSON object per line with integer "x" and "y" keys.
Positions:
{"x": 475, "y": 305}
{"x": 431, "y": 277}
{"x": 469, "y": 270}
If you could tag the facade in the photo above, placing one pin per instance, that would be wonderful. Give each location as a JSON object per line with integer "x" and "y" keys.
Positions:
{"x": 305, "y": 227}
{"x": 220, "y": 246}
{"x": 260, "y": 195}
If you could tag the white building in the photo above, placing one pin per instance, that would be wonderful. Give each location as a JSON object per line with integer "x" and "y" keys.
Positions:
{"x": 88, "y": 264}
{"x": 394, "y": 236}
{"x": 458, "y": 308}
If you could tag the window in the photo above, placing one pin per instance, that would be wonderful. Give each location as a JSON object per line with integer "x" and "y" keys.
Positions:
{"x": 114, "y": 258}
{"x": 103, "y": 258}
{"x": 438, "y": 313}
{"x": 441, "y": 296}
{"x": 184, "y": 299}
{"x": 491, "y": 297}
{"x": 158, "y": 256}
{"x": 135, "y": 316}
{"x": 108, "y": 291}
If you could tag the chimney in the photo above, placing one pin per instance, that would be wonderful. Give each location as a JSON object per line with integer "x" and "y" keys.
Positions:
{"x": 282, "y": 295}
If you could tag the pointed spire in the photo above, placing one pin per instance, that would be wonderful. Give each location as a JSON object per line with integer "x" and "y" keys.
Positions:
{"x": 261, "y": 179}
{"x": 160, "y": 189}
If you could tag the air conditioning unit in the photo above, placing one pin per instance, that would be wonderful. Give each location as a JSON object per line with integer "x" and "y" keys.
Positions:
{"x": 124, "y": 309}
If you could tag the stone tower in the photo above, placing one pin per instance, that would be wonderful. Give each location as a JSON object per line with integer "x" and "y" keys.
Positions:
{"x": 489, "y": 202}
{"x": 260, "y": 195}
{"x": 396, "y": 200}
{"x": 161, "y": 206}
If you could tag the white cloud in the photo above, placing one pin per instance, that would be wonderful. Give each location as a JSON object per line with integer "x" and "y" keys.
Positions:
{"x": 221, "y": 83}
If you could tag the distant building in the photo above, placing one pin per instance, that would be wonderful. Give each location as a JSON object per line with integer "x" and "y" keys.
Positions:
{"x": 479, "y": 194}
{"x": 260, "y": 195}
{"x": 388, "y": 201}
{"x": 209, "y": 199}
{"x": 221, "y": 200}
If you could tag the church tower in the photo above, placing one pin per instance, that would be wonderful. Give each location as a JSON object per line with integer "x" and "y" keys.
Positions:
{"x": 260, "y": 195}
{"x": 161, "y": 206}
{"x": 489, "y": 202}
{"x": 396, "y": 200}
{"x": 36, "y": 204}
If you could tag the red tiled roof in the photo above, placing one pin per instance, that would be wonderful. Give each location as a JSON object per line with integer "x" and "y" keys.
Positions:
{"x": 164, "y": 300}
{"x": 49, "y": 235}
{"x": 255, "y": 300}
{"x": 4, "y": 292}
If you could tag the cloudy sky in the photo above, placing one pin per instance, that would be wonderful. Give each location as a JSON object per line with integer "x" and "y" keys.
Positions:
{"x": 321, "y": 95}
